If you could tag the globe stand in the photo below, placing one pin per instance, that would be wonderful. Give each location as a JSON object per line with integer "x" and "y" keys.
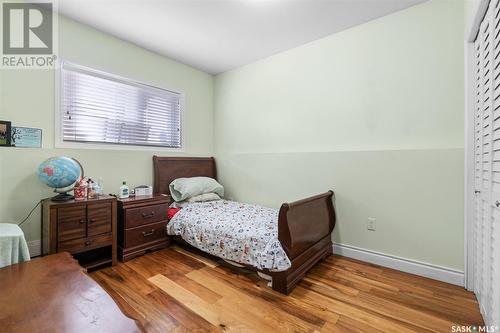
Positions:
{"x": 62, "y": 197}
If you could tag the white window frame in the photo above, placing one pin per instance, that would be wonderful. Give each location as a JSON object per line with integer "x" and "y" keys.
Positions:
{"x": 60, "y": 143}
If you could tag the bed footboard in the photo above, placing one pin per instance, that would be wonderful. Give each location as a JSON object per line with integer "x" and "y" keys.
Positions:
{"x": 304, "y": 230}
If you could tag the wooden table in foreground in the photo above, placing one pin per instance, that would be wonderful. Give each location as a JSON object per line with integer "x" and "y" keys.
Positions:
{"x": 53, "y": 294}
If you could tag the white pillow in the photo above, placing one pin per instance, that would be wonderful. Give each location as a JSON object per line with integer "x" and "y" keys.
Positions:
{"x": 204, "y": 197}
{"x": 184, "y": 188}
{"x": 198, "y": 198}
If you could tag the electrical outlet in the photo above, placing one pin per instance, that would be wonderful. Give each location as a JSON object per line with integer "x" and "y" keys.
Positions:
{"x": 371, "y": 224}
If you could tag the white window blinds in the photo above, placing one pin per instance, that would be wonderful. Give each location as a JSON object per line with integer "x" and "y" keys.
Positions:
{"x": 103, "y": 108}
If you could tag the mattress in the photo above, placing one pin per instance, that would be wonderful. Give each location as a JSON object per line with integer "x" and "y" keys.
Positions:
{"x": 239, "y": 232}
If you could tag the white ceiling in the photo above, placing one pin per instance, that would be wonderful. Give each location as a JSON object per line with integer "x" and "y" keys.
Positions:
{"x": 219, "y": 35}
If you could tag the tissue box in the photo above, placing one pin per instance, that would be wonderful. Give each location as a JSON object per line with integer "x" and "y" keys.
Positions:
{"x": 144, "y": 191}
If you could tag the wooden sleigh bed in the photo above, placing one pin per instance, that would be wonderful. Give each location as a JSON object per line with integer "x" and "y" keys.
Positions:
{"x": 304, "y": 226}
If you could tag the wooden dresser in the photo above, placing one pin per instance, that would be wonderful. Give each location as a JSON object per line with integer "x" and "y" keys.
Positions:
{"x": 86, "y": 229}
{"x": 142, "y": 225}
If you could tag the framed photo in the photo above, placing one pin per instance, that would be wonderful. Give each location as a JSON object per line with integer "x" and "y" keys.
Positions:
{"x": 5, "y": 133}
{"x": 26, "y": 137}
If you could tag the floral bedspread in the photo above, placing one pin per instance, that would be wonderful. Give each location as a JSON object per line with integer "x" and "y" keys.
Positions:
{"x": 244, "y": 233}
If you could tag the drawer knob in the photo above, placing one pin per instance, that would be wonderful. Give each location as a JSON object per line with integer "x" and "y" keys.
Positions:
{"x": 147, "y": 216}
{"x": 497, "y": 203}
{"x": 92, "y": 220}
{"x": 146, "y": 234}
{"x": 82, "y": 221}
{"x": 87, "y": 243}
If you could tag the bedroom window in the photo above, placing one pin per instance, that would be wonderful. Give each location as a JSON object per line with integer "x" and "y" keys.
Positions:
{"x": 97, "y": 107}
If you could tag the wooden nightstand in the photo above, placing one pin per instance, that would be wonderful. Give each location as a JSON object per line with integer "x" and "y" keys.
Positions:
{"x": 86, "y": 229}
{"x": 142, "y": 223}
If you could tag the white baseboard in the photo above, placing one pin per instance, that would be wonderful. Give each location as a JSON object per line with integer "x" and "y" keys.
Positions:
{"x": 402, "y": 264}
{"x": 34, "y": 248}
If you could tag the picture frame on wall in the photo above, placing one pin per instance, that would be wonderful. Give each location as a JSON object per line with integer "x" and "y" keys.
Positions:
{"x": 26, "y": 137}
{"x": 5, "y": 133}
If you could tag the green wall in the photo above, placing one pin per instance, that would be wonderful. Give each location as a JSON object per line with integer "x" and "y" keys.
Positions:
{"x": 375, "y": 113}
{"x": 27, "y": 99}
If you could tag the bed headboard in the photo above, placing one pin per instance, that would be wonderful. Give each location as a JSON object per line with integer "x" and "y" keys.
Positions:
{"x": 166, "y": 169}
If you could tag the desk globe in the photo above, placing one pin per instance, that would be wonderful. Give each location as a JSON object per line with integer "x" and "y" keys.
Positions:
{"x": 60, "y": 173}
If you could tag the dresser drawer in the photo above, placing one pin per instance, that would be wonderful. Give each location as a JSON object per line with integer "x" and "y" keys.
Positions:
{"x": 71, "y": 223}
{"x": 135, "y": 217}
{"x": 84, "y": 244}
{"x": 98, "y": 219}
{"x": 145, "y": 234}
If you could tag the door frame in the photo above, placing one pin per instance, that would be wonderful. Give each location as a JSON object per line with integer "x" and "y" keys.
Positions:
{"x": 469, "y": 246}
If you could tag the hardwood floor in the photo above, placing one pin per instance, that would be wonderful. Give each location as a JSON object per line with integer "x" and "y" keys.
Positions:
{"x": 175, "y": 290}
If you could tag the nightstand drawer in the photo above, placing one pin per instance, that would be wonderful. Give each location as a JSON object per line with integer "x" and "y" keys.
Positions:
{"x": 99, "y": 219}
{"x": 135, "y": 217}
{"x": 84, "y": 244}
{"x": 145, "y": 234}
{"x": 71, "y": 223}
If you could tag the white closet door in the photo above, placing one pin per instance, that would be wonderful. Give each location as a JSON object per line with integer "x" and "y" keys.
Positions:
{"x": 487, "y": 165}
{"x": 478, "y": 172}
{"x": 493, "y": 232}
{"x": 478, "y": 163}
{"x": 483, "y": 153}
